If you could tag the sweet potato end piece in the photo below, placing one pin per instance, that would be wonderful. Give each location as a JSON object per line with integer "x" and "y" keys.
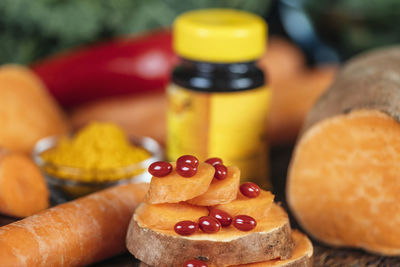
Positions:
{"x": 343, "y": 183}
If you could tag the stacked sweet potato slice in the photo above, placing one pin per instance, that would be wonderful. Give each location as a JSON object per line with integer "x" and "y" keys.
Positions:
{"x": 265, "y": 240}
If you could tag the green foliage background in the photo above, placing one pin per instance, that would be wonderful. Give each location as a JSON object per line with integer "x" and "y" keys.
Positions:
{"x": 31, "y": 29}
{"x": 353, "y": 26}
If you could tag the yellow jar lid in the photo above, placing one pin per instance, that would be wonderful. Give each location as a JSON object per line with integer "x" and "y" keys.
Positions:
{"x": 219, "y": 35}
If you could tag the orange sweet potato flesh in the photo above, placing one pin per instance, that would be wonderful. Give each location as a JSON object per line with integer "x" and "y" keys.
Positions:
{"x": 257, "y": 208}
{"x": 343, "y": 183}
{"x": 220, "y": 191}
{"x": 77, "y": 233}
{"x": 175, "y": 188}
{"x": 27, "y": 111}
{"x": 23, "y": 190}
{"x": 166, "y": 215}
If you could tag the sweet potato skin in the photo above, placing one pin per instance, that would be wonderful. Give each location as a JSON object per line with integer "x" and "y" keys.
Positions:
{"x": 302, "y": 255}
{"x": 77, "y": 233}
{"x": 162, "y": 249}
{"x": 369, "y": 81}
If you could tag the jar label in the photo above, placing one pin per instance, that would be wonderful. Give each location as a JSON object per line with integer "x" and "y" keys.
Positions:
{"x": 229, "y": 125}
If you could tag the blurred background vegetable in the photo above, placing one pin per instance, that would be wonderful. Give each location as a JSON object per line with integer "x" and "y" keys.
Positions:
{"x": 30, "y": 30}
{"x": 138, "y": 64}
{"x": 27, "y": 111}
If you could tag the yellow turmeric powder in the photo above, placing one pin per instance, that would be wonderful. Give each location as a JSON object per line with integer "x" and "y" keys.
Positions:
{"x": 99, "y": 150}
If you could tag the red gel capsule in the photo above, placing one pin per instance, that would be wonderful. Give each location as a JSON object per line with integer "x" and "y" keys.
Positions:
{"x": 209, "y": 225}
{"x": 214, "y": 161}
{"x": 224, "y": 218}
{"x": 244, "y": 223}
{"x": 160, "y": 168}
{"x": 195, "y": 263}
{"x": 186, "y": 227}
{"x": 189, "y": 159}
{"x": 186, "y": 170}
{"x": 250, "y": 189}
{"x": 221, "y": 172}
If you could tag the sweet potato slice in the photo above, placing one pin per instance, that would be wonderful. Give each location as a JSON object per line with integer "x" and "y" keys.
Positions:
{"x": 166, "y": 215}
{"x": 220, "y": 191}
{"x": 270, "y": 239}
{"x": 257, "y": 208}
{"x": 302, "y": 255}
{"x": 23, "y": 190}
{"x": 175, "y": 188}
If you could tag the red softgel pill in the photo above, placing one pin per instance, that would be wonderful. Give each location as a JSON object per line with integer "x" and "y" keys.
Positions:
{"x": 221, "y": 171}
{"x": 214, "y": 161}
{"x": 186, "y": 170}
{"x": 160, "y": 168}
{"x": 244, "y": 223}
{"x": 224, "y": 218}
{"x": 186, "y": 227}
{"x": 188, "y": 159}
{"x": 250, "y": 190}
{"x": 209, "y": 224}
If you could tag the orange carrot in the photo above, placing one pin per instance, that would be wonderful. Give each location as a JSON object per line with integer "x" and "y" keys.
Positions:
{"x": 23, "y": 190}
{"x": 77, "y": 233}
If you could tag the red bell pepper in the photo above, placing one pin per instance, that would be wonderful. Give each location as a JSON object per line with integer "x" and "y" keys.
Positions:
{"x": 136, "y": 64}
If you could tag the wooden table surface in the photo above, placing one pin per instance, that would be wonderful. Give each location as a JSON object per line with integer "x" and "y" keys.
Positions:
{"x": 323, "y": 256}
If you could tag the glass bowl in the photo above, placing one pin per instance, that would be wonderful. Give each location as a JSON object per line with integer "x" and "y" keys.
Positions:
{"x": 63, "y": 189}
